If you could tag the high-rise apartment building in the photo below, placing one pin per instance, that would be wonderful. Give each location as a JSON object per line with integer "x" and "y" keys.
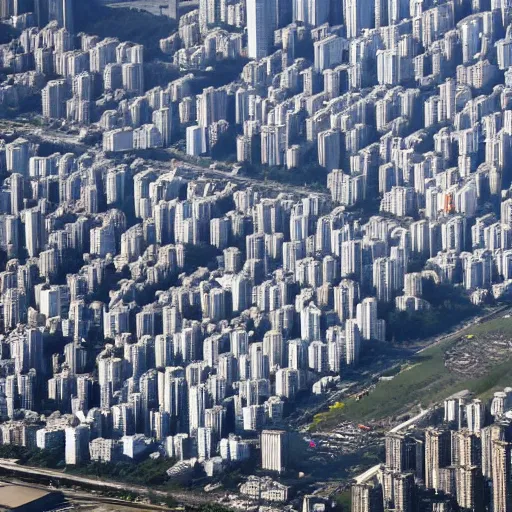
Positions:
{"x": 261, "y": 18}
{"x": 501, "y": 476}
{"x": 274, "y": 450}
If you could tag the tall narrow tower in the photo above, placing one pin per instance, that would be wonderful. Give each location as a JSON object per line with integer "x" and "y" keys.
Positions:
{"x": 261, "y": 20}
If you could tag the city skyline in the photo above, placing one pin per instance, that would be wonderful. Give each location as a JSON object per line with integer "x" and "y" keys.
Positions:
{"x": 244, "y": 215}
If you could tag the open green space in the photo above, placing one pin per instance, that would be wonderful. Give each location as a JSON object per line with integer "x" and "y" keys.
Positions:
{"x": 424, "y": 380}
{"x": 449, "y": 306}
{"x": 343, "y": 500}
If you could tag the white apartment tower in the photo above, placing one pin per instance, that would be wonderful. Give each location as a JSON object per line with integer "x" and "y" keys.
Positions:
{"x": 274, "y": 450}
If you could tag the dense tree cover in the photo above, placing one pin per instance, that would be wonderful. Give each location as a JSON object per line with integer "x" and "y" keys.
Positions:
{"x": 53, "y": 343}
{"x": 449, "y": 306}
{"x": 226, "y": 27}
{"x": 134, "y": 25}
{"x": 157, "y": 73}
{"x": 109, "y": 282}
{"x": 304, "y": 48}
{"x": 3, "y": 260}
{"x": 30, "y": 103}
{"x": 40, "y": 458}
{"x": 146, "y": 472}
{"x": 72, "y": 262}
{"x": 202, "y": 255}
{"x": 8, "y": 33}
{"x": 3, "y": 77}
{"x": 224, "y": 205}
{"x": 225, "y": 71}
{"x": 47, "y": 148}
{"x": 311, "y": 174}
{"x": 225, "y": 149}
{"x": 147, "y": 295}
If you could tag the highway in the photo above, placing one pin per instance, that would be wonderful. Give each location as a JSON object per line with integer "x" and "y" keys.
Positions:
{"x": 412, "y": 421}
{"x": 35, "y": 134}
{"x": 272, "y": 186}
{"x": 31, "y": 473}
{"x": 187, "y": 170}
{"x": 368, "y": 474}
{"x": 89, "y": 499}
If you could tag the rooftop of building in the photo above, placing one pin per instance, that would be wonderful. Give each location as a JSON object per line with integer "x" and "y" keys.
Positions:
{"x": 16, "y": 496}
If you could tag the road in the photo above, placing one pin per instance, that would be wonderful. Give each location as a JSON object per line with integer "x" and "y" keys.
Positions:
{"x": 272, "y": 186}
{"x": 368, "y": 474}
{"x": 187, "y": 170}
{"x": 412, "y": 421}
{"x": 35, "y": 134}
{"x": 89, "y": 499}
{"x": 192, "y": 499}
{"x": 468, "y": 326}
{"x": 302, "y": 421}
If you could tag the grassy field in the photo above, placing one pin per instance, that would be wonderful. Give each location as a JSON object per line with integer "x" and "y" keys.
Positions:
{"x": 344, "y": 501}
{"x": 424, "y": 380}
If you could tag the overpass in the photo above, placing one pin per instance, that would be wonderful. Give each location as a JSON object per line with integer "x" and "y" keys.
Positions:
{"x": 55, "y": 478}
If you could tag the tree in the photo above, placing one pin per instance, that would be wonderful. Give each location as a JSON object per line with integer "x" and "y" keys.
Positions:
{"x": 449, "y": 306}
{"x": 135, "y": 25}
{"x": 8, "y": 33}
{"x": 201, "y": 255}
{"x": 225, "y": 147}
